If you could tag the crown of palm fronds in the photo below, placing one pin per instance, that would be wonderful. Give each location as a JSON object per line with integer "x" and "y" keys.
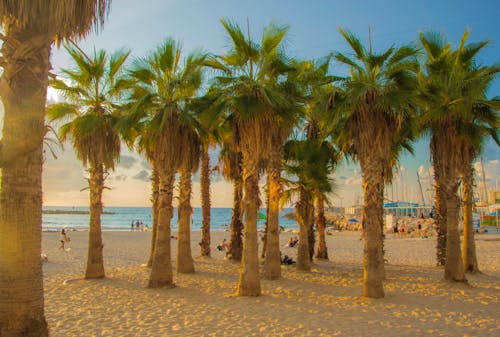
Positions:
{"x": 161, "y": 102}
{"x": 92, "y": 91}
{"x": 456, "y": 110}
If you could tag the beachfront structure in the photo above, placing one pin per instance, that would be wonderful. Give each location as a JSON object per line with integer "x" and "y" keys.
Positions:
{"x": 403, "y": 208}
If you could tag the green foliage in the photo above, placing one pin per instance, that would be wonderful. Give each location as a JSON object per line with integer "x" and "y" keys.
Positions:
{"x": 92, "y": 91}
{"x": 160, "y": 108}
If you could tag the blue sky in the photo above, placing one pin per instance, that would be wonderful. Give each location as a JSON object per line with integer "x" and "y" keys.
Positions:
{"x": 142, "y": 25}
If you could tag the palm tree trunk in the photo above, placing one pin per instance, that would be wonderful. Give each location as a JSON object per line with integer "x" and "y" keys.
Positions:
{"x": 453, "y": 268}
{"x": 205, "y": 202}
{"x": 236, "y": 227}
{"x": 154, "y": 212}
{"x": 272, "y": 263}
{"x": 161, "y": 270}
{"x": 95, "y": 261}
{"x": 310, "y": 230}
{"x": 441, "y": 216}
{"x": 439, "y": 174}
{"x": 322, "y": 252}
{"x": 184, "y": 258}
{"x": 303, "y": 212}
{"x": 264, "y": 235}
{"x": 249, "y": 283}
{"x": 373, "y": 263}
{"x": 23, "y": 88}
{"x": 469, "y": 257}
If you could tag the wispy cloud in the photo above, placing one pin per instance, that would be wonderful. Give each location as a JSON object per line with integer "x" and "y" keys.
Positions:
{"x": 127, "y": 161}
{"x": 142, "y": 175}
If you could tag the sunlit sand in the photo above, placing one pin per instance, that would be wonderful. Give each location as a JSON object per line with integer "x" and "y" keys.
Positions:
{"x": 323, "y": 302}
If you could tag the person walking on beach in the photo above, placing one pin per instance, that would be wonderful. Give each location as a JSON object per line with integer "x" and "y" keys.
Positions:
{"x": 63, "y": 238}
{"x": 132, "y": 226}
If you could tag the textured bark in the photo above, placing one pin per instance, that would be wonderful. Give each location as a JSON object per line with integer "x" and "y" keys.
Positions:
{"x": 440, "y": 218}
{"x": 453, "y": 268}
{"x": 373, "y": 263}
{"x": 184, "y": 258}
{"x": 95, "y": 260}
{"x": 23, "y": 89}
{"x": 161, "y": 269}
{"x": 440, "y": 171}
{"x": 236, "y": 227}
{"x": 322, "y": 251}
{"x": 154, "y": 213}
{"x": 249, "y": 282}
{"x": 272, "y": 262}
{"x": 310, "y": 231}
{"x": 303, "y": 212}
{"x": 264, "y": 235}
{"x": 205, "y": 202}
{"x": 469, "y": 257}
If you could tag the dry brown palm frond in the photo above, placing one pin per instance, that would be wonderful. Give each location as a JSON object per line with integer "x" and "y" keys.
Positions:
{"x": 61, "y": 19}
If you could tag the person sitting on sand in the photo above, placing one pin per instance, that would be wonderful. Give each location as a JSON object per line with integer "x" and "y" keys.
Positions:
{"x": 63, "y": 238}
{"x": 293, "y": 241}
{"x": 223, "y": 247}
{"x": 287, "y": 260}
{"x": 424, "y": 234}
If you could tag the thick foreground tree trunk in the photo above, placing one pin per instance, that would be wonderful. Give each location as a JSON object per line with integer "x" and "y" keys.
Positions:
{"x": 249, "y": 283}
{"x": 161, "y": 270}
{"x": 95, "y": 260}
{"x": 154, "y": 213}
{"x": 236, "y": 227}
{"x": 373, "y": 263}
{"x": 303, "y": 212}
{"x": 453, "y": 268}
{"x": 23, "y": 89}
{"x": 184, "y": 258}
{"x": 272, "y": 263}
{"x": 469, "y": 257}
{"x": 322, "y": 251}
{"x": 205, "y": 202}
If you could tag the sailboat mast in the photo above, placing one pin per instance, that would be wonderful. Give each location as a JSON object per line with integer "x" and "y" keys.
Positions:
{"x": 485, "y": 193}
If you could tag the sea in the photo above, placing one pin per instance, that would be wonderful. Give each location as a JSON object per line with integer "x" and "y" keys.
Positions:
{"x": 120, "y": 218}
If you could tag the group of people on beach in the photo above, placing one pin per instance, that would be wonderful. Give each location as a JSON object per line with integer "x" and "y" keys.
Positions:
{"x": 139, "y": 226}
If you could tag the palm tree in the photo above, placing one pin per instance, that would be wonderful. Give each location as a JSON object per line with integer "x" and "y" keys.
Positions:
{"x": 192, "y": 146}
{"x": 209, "y": 123}
{"x": 251, "y": 91}
{"x": 309, "y": 163}
{"x": 484, "y": 123}
{"x": 29, "y": 30}
{"x": 230, "y": 165}
{"x": 453, "y": 92}
{"x": 92, "y": 91}
{"x": 162, "y": 90}
{"x": 318, "y": 87}
{"x": 285, "y": 118}
{"x": 376, "y": 103}
{"x": 471, "y": 145}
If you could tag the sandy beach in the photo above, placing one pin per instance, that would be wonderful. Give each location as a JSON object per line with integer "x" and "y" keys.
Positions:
{"x": 323, "y": 302}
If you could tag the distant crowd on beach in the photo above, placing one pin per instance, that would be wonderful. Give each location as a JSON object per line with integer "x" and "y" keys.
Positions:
{"x": 138, "y": 226}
